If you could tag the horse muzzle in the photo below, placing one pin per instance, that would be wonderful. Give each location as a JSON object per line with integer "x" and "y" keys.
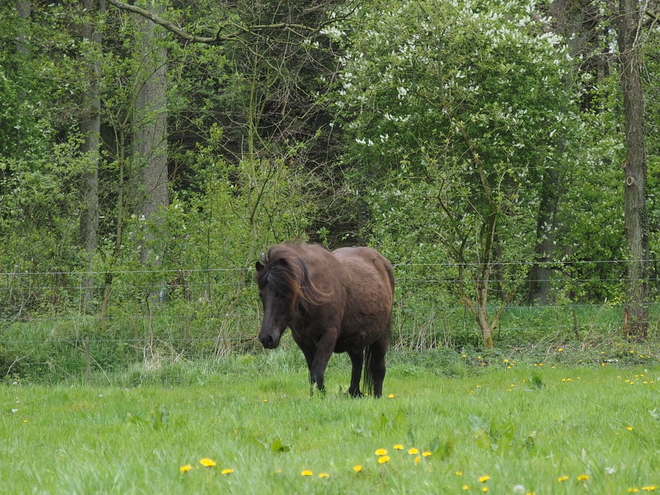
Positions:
{"x": 268, "y": 341}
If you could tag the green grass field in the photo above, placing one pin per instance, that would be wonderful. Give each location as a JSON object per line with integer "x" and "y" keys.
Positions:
{"x": 505, "y": 428}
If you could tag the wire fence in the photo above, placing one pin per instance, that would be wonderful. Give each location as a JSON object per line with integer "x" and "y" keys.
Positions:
{"x": 430, "y": 306}
{"x": 105, "y": 319}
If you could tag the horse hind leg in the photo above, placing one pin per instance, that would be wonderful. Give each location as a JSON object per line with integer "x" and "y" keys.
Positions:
{"x": 357, "y": 359}
{"x": 374, "y": 372}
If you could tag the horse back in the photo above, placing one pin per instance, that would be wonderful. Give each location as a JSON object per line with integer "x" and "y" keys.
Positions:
{"x": 364, "y": 264}
{"x": 369, "y": 285}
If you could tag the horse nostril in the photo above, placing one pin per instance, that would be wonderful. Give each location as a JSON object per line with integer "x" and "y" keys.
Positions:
{"x": 266, "y": 341}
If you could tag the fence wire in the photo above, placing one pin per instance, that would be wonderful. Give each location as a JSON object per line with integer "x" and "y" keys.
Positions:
{"x": 194, "y": 310}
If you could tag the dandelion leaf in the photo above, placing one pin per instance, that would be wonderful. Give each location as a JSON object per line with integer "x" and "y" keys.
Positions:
{"x": 396, "y": 422}
{"x": 528, "y": 443}
{"x": 135, "y": 420}
{"x": 159, "y": 417}
{"x": 536, "y": 382}
{"x": 442, "y": 449}
{"x": 482, "y": 439}
{"x": 277, "y": 447}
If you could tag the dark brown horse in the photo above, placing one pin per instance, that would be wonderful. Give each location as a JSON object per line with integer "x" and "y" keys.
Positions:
{"x": 339, "y": 301}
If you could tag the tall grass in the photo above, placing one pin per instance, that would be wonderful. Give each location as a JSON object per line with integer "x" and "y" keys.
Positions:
{"x": 53, "y": 349}
{"x": 540, "y": 429}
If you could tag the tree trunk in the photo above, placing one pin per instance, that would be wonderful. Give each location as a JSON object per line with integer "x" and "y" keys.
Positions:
{"x": 635, "y": 220}
{"x": 149, "y": 130}
{"x": 90, "y": 127}
{"x": 23, "y": 8}
{"x": 119, "y": 232}
{"x": 574, "y": 21}
{"x": 539, "y": 275}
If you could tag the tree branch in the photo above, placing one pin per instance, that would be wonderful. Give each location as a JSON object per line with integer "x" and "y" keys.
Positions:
{"x": 297, "y": 29}
{"x": 166, "y": 24}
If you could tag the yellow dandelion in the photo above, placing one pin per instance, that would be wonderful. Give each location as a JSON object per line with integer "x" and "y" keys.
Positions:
{"x": 465, "y": 487}
{"x": 418, "y": 460}
{"x": 485, "y": 489}
{"x": 306, "y": 472}
{"x": 562, "y": 478}
{"x": 206, "y": 462}
{"x": 185, "y": 469}
{"x": 483, "y": 479}
{"x": 413, "y": 451}
{"x": 398, "y": 446}
{"x": 633, "y": 490}
{"x": 630, "y": 428}
{"x": 560, "y": 350}
{"x": 324, "y": 475}
{"x": 391, "y": 396}
{"x": 357, "y": 469}
{"x": 381, "y": 452}
{"x": 650, "y": 488}
{"x": 427, "y": 453}
{"x": 227, "y": 471}
{"x": 383, "y": 459}
{"x": 458, "y": 473}
{"x": 583, "y": 477}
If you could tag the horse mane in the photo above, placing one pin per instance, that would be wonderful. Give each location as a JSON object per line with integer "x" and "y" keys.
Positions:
{"x": 287, "y": 273}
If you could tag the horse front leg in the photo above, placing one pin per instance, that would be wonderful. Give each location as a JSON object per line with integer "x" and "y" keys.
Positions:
{"x": 324, "y": 350}
{"x": 309, "y": 353}
{"x": 357, "y": 358}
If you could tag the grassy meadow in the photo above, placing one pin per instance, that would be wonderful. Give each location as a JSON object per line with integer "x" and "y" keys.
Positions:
{"x": 491, "y": 425}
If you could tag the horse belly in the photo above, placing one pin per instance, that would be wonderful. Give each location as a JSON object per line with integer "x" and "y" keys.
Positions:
{"x": 362, "y": 331}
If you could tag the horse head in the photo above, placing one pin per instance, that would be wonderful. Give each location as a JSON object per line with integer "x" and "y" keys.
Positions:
{"x": 280, "y": 287}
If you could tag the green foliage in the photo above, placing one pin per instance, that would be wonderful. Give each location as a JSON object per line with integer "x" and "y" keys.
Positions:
{"x": 451, "y": 144}
{"x": 451, "y": 113}
{"x": 592, "y": 219}
{"x": 220, "y": 230}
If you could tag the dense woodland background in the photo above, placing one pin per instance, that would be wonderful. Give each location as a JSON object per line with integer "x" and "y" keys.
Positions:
{"x": 501, "y": 154}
